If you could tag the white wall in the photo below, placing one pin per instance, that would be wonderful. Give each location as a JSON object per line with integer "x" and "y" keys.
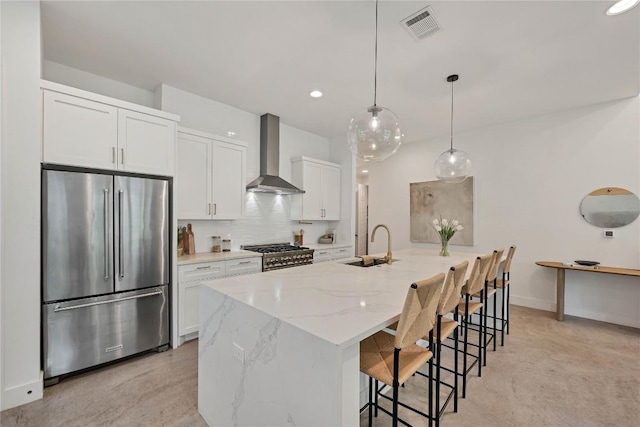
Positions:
{"x": 268, "y": 217}
{"x": 74, "y": 77}
{"x": 21, "y": 379}
{"x": 530, "y": 177}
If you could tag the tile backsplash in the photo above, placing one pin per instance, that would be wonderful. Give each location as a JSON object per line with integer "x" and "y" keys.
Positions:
{"x": 267, "y": 220}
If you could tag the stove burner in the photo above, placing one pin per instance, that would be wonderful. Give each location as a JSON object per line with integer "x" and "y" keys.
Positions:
{"x": 281, "y": 255}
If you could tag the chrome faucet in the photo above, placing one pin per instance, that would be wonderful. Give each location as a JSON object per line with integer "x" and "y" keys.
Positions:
{"x": 389, "y": 257}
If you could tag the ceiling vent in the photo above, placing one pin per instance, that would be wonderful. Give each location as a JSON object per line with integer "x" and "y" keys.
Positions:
{"x": 421, "y": 24}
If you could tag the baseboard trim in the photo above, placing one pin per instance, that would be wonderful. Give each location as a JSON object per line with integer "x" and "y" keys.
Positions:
{"x": 22, "y": 394}
{"x": 572, "y": 311}
{"x": 533, "y": 303}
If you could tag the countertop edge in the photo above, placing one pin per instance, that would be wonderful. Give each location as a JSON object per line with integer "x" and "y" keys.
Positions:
{"x": 216, "y": 256}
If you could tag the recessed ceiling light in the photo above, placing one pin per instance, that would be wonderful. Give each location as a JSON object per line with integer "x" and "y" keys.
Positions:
{"x": 622, "y": 6}
{"x": 231, "y": 133}
{"x": 315, "y": 94}
{"x": 365, "y": 171}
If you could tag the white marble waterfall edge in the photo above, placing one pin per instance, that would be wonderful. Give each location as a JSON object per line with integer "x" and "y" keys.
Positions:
{"x": 289, "y": 377}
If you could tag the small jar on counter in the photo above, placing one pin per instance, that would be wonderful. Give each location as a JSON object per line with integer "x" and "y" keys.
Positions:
{"x": 217, "y": 244}
{"x": 226, "y": 245}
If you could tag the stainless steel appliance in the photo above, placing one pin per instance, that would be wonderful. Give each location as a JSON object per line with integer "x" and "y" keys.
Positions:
{"x": 105, "y": 268}
{"x": 281, "y": 255}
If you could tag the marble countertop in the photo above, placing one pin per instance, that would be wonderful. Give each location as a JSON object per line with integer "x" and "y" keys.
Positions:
{"x": 339, "y": 303}
{"x": 216, "y": 256}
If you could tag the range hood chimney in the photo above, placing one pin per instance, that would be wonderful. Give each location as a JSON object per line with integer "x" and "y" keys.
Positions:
{"x": 269, "y": 181}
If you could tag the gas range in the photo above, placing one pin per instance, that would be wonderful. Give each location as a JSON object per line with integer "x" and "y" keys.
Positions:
{"x": 281, "y": 255}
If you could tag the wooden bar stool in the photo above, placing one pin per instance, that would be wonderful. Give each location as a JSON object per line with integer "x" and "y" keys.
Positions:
{"x": 490, "y": 284}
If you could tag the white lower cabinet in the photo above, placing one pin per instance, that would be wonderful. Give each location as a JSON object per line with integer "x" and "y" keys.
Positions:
{"x": 321, "y": 255}
{"x": 189, "y": 278}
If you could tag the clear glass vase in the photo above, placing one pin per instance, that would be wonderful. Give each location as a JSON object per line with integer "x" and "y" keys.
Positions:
{"x": 444, "y": 250}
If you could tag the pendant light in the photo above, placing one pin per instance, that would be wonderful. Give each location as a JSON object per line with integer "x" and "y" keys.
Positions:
{"x": 374, "y": 134}
{"x": 453, "y": 165}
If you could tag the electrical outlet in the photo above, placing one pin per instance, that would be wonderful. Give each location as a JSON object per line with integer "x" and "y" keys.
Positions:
{"x": 608, "y": 234}
{"x": 238, "y": 352}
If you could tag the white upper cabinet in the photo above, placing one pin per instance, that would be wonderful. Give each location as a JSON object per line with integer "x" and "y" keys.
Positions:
{"x": 94, "y": 131}
{"x": 146, "y": 143}
{"x": 79, "y": 132}
{"x": 210, "y": 177}
{"x": 321, "y": 182}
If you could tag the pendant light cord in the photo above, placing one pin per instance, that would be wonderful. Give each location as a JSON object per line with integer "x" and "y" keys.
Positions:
{"x": 375, "y": 72}
{"x": 452, "y": 115}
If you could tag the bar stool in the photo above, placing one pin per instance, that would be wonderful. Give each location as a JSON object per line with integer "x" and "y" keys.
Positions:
{"x": 444, "y": 328}
{"x": 491, "y": 279}
{"x": 467, "y": 307}
{"x": 394, "y": 359}
{"x": 504, "y": 285}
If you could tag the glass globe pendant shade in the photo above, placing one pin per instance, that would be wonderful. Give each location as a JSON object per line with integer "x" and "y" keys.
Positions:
{"x": 453, "y": 166}
{"x": 374, "y": 134}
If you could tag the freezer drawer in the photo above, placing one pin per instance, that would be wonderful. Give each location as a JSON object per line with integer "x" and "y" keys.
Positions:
{"x": 87, "y": 332}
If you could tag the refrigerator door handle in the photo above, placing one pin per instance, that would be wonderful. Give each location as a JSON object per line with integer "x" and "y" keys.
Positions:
{"x": 106, "y": 233}
{"x": 121, "y": 232}
{"x": 91, "y": 304}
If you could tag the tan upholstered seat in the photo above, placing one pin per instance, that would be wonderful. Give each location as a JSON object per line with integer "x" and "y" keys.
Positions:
{"x": 500, "y": 284}
{"x": 446, "y": 329}
{"x": 473, "y": 307}
{"x": 376, "y": 358}
{"x": 489, "y": 292}
{"x": 393, "y": 359}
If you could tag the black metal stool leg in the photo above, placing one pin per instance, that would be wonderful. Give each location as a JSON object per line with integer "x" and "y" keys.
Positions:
{"x": 502, "y": 314}
{"x": 371, "y": 400}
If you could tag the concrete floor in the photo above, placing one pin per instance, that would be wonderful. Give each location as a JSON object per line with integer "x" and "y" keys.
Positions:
{"x": 573, "y": 373}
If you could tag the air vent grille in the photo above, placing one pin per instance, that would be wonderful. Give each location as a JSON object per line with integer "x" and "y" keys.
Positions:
{"x": 421, "y": 24}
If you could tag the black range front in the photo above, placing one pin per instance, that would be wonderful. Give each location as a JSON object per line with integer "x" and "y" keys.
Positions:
{"x": 281, "y": 255}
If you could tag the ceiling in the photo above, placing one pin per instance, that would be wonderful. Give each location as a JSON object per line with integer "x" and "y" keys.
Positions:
{"x": 515, "y": 58}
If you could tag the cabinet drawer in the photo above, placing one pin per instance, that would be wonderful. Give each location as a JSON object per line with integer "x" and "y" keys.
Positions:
{"x": 322, "y": 255}
{"x": 244, "y": 266}
{"x": 201, "y": 271}
{"x": 341, "y": 253}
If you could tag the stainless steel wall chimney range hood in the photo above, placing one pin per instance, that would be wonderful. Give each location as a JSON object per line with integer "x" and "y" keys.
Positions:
{"x": 269, "y": 181}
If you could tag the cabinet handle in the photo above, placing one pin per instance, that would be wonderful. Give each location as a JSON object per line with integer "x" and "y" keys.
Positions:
{"x": 122, "y": 156}
{"x": 121, "y": 233}
{"x": 244, "y": 262}
{"x": 113, "y": 154}
{"x": 206, "y": 267}
{"x": 106, "y": 234}
{"x": 215, "y": 208}
{"x": 209, "y": 209}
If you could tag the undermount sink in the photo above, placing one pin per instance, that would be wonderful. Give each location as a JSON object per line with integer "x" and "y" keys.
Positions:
{"x": 376, "y": 261}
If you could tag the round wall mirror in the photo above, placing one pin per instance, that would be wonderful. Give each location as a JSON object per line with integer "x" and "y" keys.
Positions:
{"x": 610, "y": 207}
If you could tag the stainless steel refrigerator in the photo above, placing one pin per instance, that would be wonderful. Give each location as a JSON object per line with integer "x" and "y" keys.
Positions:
{"x": 105, "y": 268}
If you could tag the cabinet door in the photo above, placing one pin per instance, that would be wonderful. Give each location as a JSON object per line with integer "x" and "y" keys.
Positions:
{"x": 79, "y": 132}
{"x": 189, "y": 278}
{"x": 228, "y": 169}
{"x": 146, "y": 143}
{"x": 312, "y": 197}
{"x": 189, "y": 308}
{"x": 193, "y": 181}
{"x": 331, "y": 192}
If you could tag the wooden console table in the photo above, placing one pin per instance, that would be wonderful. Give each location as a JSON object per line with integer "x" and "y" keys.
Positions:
{"x": 560, "y": 278}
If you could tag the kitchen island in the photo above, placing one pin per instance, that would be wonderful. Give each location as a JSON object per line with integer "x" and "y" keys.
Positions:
{"x": 282, "y": 347}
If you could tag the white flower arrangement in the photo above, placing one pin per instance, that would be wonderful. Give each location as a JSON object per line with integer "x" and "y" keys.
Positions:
{"x": 446, "y": 229}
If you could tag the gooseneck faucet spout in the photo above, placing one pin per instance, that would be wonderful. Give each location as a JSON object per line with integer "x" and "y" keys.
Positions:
{"x": 389, "y": 257}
